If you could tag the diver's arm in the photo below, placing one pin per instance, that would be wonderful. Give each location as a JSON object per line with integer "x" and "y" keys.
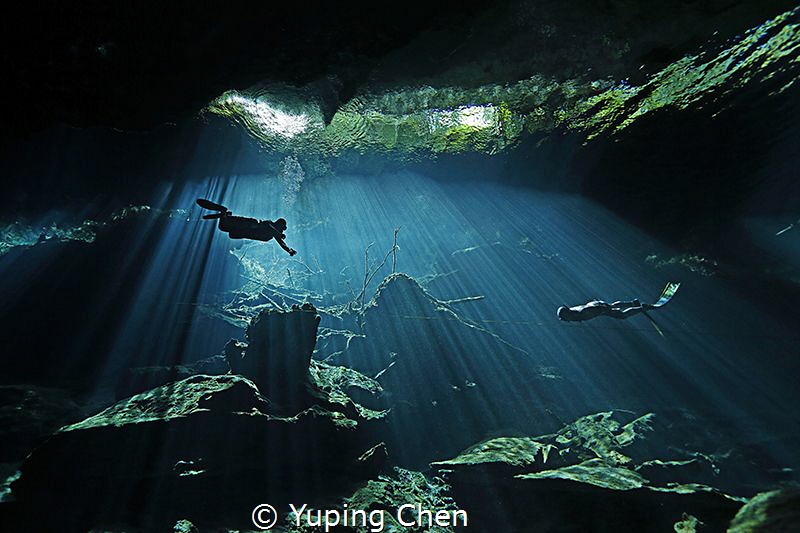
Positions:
{"x": 282, "y": 244}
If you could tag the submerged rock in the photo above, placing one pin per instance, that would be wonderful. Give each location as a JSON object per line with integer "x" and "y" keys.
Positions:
{"x": 438, "y": 370}
{"x": 380, "y": 498}
{"x": 205, "y": 449}
{"x": 277, "y": 357}
{"x": 278, "y": 353}
{"x": 29, "y": 414}
{"x": 594, "y": 472}
{"x": 775, "y": 511}
{"x": 208, "y": 448}
{"x": 143, "y": 378}
{"x": 577, "y": 476}
{"x": 592, "y": 437}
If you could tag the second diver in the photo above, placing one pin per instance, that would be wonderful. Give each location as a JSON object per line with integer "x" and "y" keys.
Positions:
{"x": 620, "y": 310}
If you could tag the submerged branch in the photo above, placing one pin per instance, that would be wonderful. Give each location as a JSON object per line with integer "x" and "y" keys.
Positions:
{"x": 462, "y": 300}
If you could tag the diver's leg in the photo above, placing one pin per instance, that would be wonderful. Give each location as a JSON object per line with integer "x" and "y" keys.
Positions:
{"x": 225, "y": 222}
{"x": 626, "y": 313}
{"x": 620, "y": 305}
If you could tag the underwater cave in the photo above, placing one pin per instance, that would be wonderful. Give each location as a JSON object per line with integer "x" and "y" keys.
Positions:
{"x": 518, "y": 266}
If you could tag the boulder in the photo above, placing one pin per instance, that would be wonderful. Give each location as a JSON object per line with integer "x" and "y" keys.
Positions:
{"x": 206, "y": 449}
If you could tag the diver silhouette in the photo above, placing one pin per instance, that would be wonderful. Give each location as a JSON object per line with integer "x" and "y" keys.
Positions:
{"x": 245, "y": 227}
{"x": 620, "y": 310}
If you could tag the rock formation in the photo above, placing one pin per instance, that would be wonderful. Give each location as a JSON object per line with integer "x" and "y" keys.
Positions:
{"x": 578, "y": 479}
{"x": 209, "y": 448}
{"x": 278, "y": 353}
{"x": 432, "y": 363}
{"x": 777, "y": 510}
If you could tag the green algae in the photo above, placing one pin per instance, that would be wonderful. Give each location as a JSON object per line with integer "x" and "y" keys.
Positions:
{"x": 334, "y": 382}
{"x": 594, "y": 472}
{"x": 777, "y": 510}
{"x": 515, "y": 451}
{"x": 601, "y": 434}
{"x": 413, "y": 122}
{"x": 174, "y": 400}
{"x": 388, "y": 493}
{"x": 21, "y": 233}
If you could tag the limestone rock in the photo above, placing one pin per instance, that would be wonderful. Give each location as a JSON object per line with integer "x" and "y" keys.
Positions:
{"x": 206, "y": 449}
{"x": 775, "y": 511}
{"x": 278, "y": 353}
{"x": 546, "y": 482}
{"x": 432, "y": 363}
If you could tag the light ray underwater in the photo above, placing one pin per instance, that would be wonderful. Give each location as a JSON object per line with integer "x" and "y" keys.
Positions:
{"x": 523, "y": 266}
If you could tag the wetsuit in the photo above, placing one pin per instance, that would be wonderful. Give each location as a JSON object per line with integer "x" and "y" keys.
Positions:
{"x": 620, "y": 310}
{"x": 246, "y": 227}
{"x": 249, "y": 228}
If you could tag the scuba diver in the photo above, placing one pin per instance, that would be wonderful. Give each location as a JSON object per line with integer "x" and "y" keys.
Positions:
{"x": 619, "y": 310}
{"x": 247, "y": 228}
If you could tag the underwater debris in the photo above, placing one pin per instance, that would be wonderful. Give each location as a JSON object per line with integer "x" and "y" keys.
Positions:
{"x": 439, "y": 307}
{"x": 334, "y": 342}
{"x": 370, "y": 272}
{"x": 402, "y": 328}
{"x": 535, "y": 248}
{"x": 269, "y": 284}
{"x": 787, "y": 228}
{"x": 695, "y": 263}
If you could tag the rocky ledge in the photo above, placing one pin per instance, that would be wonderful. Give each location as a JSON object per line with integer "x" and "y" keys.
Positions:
{"x": 209, "y": 448}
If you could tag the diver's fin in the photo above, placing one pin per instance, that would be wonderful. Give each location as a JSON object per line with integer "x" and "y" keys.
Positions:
{"x": 667, "y": 294}
{"x": 208, "y": 204}
{"x": 213, "y": 216}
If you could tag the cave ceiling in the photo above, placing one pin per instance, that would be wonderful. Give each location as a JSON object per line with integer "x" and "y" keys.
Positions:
{"x": 453, "y": 77}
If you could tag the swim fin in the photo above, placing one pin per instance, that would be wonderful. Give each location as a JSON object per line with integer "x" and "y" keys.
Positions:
{"x": 213, "y": 216}
{"x": 667, "y": 294}
{"x": 208, "y": 204}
